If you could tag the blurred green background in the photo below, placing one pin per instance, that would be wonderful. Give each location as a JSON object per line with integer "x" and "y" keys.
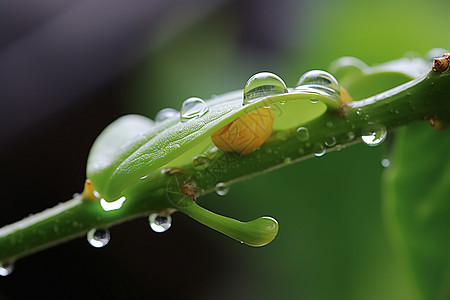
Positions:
{"x": 332, "y": 242}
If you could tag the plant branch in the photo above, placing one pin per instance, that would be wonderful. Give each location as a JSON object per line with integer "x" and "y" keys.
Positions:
{"x": 425, "y": 98}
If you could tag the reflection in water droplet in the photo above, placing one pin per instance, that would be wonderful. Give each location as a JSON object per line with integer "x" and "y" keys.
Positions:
{"x": 6, "y": 268}
{"x": 375, "y": 138}
{"x": 385, "y": 163}
{"x": 165, "y": 114}
{"x": 313, "y": 100}
{"x": 330, "y": 141}
{"x": 222, "y": 189}
{"x": 319, "y": 150}
{"x": 302, "y": 134}
{"x": 98, "y": 237}
{"x": 200, "y": 162}
{"x": 287, "y": 160}
{"x": 159, "y": 222}
{"x": 193, "y": 107}
{"x": 114, "y": 205}
{"x": 261, "y": 85}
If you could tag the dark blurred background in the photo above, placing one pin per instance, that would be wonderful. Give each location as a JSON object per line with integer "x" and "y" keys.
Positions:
{"x": 69, "y": 68}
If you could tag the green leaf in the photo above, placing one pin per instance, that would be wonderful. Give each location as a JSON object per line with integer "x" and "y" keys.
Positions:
{"x": 145, "y": 151}
{"x": 417, "y": 201}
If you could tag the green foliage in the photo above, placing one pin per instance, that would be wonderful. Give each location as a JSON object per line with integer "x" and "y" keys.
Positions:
{"x": 416, "y": 195}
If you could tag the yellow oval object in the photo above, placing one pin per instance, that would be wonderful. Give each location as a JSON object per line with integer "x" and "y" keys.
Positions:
{"x": 246, "y": 133}
{"x": 345, "y": 96}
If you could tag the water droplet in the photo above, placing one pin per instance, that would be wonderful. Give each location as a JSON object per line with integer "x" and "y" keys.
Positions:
{"x": 330, "y": 141}
{"x": 330, "y": 124}
{"x": 375, "y": 138}
{"x": 319, "y": 150}
{"x": 6, "y": 268}
{"x": 222, "y": 189}
{"x": 193, "y": 107}
{"x": 261, "y": 85}
{"x": 385, "y": 162}
{"x": 313, "y": 101}
{"x": 358, "y": 111}
{"x": 269, "y": 151}
{"x": 282, "y": 135}
{"x": 320, "y": 79}
{"x": 302, "y": 134}
{"x": 159, "y": 222}
{"x": 98, "y": 237}
{"x": 114, "y": 205}
{"x": 287, "y": 160}
{"x": 165, "y": 114}
{"x": 366, "y": 117}
{"x": 200, "y": 162}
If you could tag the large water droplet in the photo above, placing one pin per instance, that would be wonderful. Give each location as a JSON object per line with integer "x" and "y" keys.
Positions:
{"x": 222, "y": 189}
{"x": 375, "y": 138}
{"x": 159, "y": 222}
{"x": 98, "y": 237}
{"x": 193, "y": 107}
{"x": 166, "y": 113}
{"x": 320, "y": 80}
{"x": 302, "y": 134}
{"x": 6, "y": 268}
{"x": 261, "y": 85}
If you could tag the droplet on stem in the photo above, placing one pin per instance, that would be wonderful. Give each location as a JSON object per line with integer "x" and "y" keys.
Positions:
{"x": 222, "y": 189}
{"x": 98, "y": 237}
{"x": 375, "y": 138}
{"x": 302, "y": 134}
{"x": 160, "y": 222}
{"x": 192, "y": 108}
{"x": 261, "y": 85}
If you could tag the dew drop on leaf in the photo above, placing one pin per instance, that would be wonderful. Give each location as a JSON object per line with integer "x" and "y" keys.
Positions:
{"x": 320, "y": 80}
{"x": 6, "y": 268}
{"x": 192, "y": 108}
{"x": 165, "y": 114}
{"x": 159, "y": 222}
{"x": 98, "y": 237}
{"x": 302, "y": 134}
{"x": 222, "y": 189}
{"x": 374, "y": 138}
{"x": 261, "y": 85}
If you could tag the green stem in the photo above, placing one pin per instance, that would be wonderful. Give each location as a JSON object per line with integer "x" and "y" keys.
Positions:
{"x": 427, "y": 97}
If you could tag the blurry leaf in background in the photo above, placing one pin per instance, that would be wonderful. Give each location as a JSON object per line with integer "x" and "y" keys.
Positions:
{"x": 417, "y": 194}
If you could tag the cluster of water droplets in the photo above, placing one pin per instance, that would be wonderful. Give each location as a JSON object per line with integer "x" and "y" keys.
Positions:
{"x": 193, "y": 108}
{"x": 98, "y": 237}
{"x": 160, "y": 222}
{"x": 319, "y": 82}
{"x": 6, "y": 268}
{"x": 262, "y": 85}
